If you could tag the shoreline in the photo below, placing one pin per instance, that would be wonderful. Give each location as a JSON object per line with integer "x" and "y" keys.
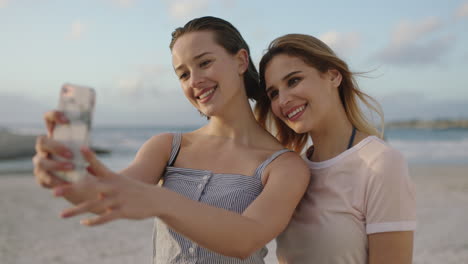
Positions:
{"x": 429, "y": 124}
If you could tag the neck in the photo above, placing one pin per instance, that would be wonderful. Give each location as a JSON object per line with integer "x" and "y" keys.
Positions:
{"x": 237, "y": 122}
{"x": 332, "y": 138}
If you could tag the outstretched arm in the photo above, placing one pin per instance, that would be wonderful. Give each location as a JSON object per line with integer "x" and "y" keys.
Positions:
{"x": 220, "y": 230}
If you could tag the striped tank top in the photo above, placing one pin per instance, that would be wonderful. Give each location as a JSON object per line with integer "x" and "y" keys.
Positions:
{"x": 232, "y": 192}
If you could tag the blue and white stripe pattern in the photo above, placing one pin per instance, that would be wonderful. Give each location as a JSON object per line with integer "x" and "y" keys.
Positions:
{"x": 233, "y": 192}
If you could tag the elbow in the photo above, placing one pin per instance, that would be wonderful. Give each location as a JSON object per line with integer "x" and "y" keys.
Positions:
{"x": 242, "y": 254}
{"x": 246, "y": 249}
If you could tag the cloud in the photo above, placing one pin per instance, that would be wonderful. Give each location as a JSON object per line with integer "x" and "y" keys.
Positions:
{"x": 26, "y": 109}
{"x": 413, "y": 105}
{"x": 77, "y": 30}
{"x": 342, "y": 43}
{"x": 259, "y": 34}
{"x": 130, "y": 85}
{"x": 407, "y": 32}
{"x": 410, "y": 44}
{"x": 4, "y": 3}
{"x": 229, "y": 4}
{"x": 146, "y": 81}
{"x": 429, "y": 52}
{"x": 183, "y": 9}
{"x": 124, "y": 3}
{"x": 462, "y": 11}
{"x": 148, "y": 94}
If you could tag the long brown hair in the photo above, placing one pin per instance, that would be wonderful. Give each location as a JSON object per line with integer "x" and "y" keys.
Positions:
{"x": 316, "y": 54}
{"x": 228, "y": 37}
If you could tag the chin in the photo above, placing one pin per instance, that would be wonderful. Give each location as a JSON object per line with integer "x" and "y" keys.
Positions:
{"x": 209, "y": 111}
{"x": 300, "y": 128}
{"x": 300, "y": 131}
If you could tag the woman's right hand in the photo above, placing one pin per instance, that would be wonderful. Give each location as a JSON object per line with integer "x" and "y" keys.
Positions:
{"x": 44, "y": 165}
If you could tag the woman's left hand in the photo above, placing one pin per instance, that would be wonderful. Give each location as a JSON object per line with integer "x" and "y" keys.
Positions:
{"x": 116, "y": 196}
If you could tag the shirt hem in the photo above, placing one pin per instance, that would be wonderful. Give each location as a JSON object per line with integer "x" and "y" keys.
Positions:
{"x": 391, "y": 227}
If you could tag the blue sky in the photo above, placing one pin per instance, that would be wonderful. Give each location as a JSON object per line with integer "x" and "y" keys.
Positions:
{"x": 416, "y": 52}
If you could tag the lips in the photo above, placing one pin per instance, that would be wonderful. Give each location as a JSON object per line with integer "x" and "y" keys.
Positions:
{"x": 206, "y": 93}
{"x": 295, "y": 112}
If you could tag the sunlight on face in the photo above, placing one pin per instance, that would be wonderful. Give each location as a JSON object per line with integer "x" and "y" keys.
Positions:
{"x": 206, "y": 71}
{"x": 300, "y": 95}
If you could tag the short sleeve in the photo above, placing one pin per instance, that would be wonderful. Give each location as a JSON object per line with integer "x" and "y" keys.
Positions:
{"x": 390, "y": 195}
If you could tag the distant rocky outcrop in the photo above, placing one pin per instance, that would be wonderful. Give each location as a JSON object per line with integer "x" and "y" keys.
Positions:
{"x": 15, "y": 146}
{"x": 434, "y": 124}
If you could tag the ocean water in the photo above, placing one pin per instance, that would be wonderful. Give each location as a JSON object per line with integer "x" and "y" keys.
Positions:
{"x": 430, "y": 146}
{"x": 419, "y": 146}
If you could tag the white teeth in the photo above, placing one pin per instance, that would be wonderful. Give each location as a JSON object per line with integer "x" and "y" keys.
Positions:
{"x": 205, "y": 94}
{"x": 293, "y": 113}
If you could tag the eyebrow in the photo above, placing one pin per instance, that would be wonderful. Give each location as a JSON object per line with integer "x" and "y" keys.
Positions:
{"x": 195, "y": 58}
{"x": 283, "y": 79}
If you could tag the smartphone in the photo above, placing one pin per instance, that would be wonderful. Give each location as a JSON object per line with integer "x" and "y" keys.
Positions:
{"x": 77, "y": 103}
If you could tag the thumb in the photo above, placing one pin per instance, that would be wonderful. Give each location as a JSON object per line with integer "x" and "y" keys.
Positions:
{"x": 96, "y": 167}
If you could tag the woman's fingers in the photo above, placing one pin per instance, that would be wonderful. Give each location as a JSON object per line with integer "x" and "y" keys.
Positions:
{"x": 47, "y": 180}
{"x": 43, "y": 163}
{"x": 98, "y": 205}
{"x": 89, "y": 186}
{"x": 46, "y": 145}
{"x": 52, "y": 118}
{"x": 108, "y": 216}
{"x": 43, "y": 168}
{"x": 95, "y": 166}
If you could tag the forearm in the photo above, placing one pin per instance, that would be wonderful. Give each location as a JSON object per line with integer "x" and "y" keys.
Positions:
{"x": 219, "y": 230}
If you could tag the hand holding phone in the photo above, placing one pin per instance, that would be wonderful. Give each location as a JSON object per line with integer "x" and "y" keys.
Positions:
{"x": 77, "y": 104}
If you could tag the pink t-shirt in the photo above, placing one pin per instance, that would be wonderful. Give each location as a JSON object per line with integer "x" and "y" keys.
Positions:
{"x": 362, "y": 191}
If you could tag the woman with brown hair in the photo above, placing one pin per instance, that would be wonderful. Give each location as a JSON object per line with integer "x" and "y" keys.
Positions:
{"x": 360, "y": 206}
{"x": 229, "y": 187}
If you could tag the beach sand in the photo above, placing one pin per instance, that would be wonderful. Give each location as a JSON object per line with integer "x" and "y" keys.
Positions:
{"x": 31, "y": 230}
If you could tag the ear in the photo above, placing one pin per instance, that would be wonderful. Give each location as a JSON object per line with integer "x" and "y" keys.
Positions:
{"x": 243, "y": 59}
{"x": 335, "y": 77}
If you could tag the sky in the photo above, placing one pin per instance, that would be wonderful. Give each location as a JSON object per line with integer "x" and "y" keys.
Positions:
{"x": 415, "y": 52}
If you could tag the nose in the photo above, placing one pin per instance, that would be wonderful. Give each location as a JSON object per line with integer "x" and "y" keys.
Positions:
{"x": 284, "y": 98}
{"x": 196, "y": 79}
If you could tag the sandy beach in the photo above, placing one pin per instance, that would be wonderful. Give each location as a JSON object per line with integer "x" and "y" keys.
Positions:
{"x": 31, "y": 230}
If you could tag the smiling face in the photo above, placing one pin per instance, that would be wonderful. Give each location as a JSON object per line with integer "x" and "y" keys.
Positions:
{"x": 300, "y": 95}
{"x": 210, "y": 77}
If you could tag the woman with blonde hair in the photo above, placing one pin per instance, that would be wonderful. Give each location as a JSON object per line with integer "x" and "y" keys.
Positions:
{"x": 360, "y": 204}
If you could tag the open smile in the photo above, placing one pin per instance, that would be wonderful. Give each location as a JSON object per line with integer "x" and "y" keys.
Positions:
{"x": 206, "y": 94}
{"x": 295, "y": 112}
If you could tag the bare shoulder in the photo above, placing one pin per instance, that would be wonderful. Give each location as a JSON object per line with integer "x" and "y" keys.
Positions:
{"x": 289, "y": 165}
{"x": 151, "y": 159}
{"x": 159, "y": 145}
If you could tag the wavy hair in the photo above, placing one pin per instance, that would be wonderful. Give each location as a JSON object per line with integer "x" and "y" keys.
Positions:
{"x": 317, "y": 54}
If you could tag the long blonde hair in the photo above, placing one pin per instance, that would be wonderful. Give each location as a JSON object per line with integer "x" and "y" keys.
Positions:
{"x": 316, "y": 54}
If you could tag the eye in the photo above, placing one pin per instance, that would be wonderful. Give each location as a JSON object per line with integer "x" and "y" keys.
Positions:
{"x": 293, "y": 81}
{"x": 183, "y": 76}
{"x": 205, "y": 63}
{"x": 273, "y": 94}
